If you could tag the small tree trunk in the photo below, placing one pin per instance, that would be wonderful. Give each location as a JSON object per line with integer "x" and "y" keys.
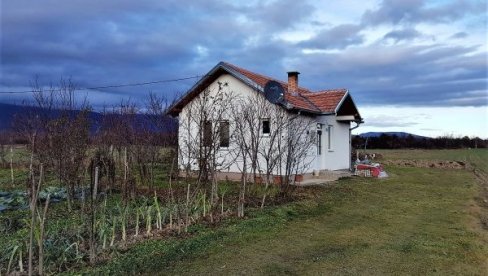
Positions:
{"x": 187, "y": 215}
{"x": 126, "y": 172}
{"x": 31, "y": 237}
{"x": 12, "y": 164}
{"x": 92, "y": 218}
{"x": 242, "y": 195}
{"x": 41, "y": 236}
{"x": 222, "y": 206}
{"x": 33, "y": 205}
{"x": 265, "y": 192}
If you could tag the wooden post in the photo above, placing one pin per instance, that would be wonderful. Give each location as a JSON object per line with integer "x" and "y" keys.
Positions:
{"x": 95, "y": 186}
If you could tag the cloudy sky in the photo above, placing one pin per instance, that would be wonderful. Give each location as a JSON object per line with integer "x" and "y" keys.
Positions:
{"x": 411, "y": 65}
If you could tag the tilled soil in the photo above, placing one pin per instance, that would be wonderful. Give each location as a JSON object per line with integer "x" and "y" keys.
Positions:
{"x": 444, "y": 164}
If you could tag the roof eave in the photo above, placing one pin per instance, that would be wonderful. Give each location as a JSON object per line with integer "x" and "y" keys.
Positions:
{"x": 342, "y": 101}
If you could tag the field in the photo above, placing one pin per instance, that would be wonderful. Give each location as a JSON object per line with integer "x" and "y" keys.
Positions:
{"x": 420, "y": 220}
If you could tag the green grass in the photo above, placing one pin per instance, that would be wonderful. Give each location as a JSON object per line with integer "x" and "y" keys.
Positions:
{"x": 20, "y": 160}
{"x": 418, "y": 221}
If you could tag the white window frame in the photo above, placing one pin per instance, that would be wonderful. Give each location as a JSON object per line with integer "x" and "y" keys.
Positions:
{"x": 329, "y": 137}
{"x": 320, "y": 146}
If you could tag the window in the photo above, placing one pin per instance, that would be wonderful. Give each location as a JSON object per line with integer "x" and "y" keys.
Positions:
{"x": 319, "y": 142}
{"x": 266, "y": 129}
{"x": 207, "y": 134}
{"x": 329, "y": 137}
{"x": 224, "y": 134}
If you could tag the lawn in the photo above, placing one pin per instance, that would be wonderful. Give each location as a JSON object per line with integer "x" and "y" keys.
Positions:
{"x": 417, "y": 221}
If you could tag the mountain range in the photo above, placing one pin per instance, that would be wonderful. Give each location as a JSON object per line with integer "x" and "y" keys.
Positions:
{"x": 8, "y": 112}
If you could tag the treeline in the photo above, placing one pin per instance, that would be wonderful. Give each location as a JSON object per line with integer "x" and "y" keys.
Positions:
{"x": 385, "y": 141}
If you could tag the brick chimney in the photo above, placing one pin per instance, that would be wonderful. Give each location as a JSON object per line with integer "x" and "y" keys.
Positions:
{"x": 293, "y": 81}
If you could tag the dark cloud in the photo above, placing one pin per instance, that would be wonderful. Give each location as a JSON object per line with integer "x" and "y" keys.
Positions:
{"x": 402, "y": 35}
{"x": 112, "y": 42}
{"x": 338, "y": 37}
{"x": 459, "y": 35}
{"x": 104, "y": 42}
{"x": 416, "y": 11}
{"x": 280, "y": 14}
{"x": 411, "y": 75}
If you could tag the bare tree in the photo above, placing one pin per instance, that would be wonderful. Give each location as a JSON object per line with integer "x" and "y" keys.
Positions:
{"x": 273, "y": 147}
{"x": 63, "y": 132}
{"x": 272, "y": 140}
{"x": 298, "y": 149}
{"x": 247, "y": 115}
{"x": 203, "y": 124}
{"x": 118, "y": 131}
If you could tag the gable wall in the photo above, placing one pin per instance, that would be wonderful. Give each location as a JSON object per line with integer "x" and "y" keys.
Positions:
{"x": 229, "y": 157}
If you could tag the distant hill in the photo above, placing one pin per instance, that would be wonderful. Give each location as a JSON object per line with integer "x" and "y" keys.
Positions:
{"x": 8, "y": 112}
{"x": 391, "y": 133}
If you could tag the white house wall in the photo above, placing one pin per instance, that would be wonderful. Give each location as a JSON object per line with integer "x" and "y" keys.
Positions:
{"x": 227, "y": 156}
{"x": 337, "y": 157}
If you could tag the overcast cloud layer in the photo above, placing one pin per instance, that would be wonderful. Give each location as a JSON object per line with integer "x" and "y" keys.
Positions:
{"x": 406, "y": 52}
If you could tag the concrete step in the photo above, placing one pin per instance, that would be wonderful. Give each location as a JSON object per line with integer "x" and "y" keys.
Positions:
{"x": 323, "y": 178}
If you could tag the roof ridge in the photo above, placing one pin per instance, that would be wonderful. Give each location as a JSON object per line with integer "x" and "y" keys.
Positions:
{"x": 284, "y": 83}
{"x": 322, "y": 92}
{"x": 248, "y": 71}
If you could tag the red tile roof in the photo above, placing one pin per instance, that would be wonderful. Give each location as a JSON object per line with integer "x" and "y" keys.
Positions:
{"x": 322, "y": 101}
{"x": 327, "y": 100}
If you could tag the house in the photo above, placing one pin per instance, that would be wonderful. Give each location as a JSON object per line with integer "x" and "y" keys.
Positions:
{"x": 329, "y": 115}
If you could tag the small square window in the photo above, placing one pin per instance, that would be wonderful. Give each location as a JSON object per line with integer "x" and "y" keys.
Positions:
{"x": 266, "y": 129}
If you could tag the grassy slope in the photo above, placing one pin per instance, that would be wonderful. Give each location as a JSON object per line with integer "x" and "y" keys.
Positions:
{"x": 415, "y": 222}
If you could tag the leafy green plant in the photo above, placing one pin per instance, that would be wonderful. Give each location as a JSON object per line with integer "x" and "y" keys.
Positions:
{"x": 18, "y": 250}
{"x": 114, "y": 223}
{"x": 139, "y": 213}
{"x": 148, "y": 219}
{"x": 103, "y": 230}
{"x": 223, "y": 189}
{"x": 123, "y": 212}
{"x": 159, "y": 223}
